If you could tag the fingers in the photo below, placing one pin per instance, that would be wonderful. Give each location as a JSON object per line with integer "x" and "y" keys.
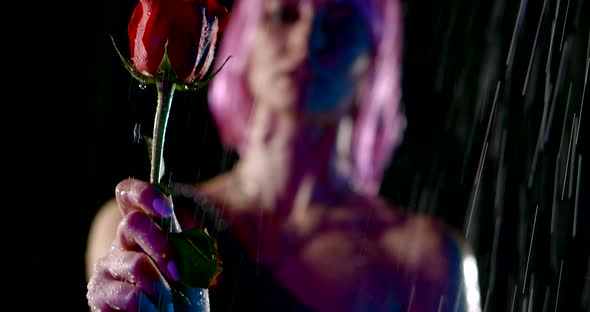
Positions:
{"x": 139, "y": 269}
{"x": 137, "y": 231}
{"x": 121, "y": 296}
{"x": 134, "y": 275}
{"x": 128, "y": 281}
{"x": 135, "y": 194}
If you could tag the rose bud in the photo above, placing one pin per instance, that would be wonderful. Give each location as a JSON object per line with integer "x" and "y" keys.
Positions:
{"x": 174, "y": 40}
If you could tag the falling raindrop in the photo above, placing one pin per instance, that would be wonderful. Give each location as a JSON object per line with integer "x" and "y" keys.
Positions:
{"x": 137, "y": 136}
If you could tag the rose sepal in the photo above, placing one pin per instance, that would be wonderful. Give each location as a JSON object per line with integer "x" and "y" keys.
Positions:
{"x": 165, "y": 72}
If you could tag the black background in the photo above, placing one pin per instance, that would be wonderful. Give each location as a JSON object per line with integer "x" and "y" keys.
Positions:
{"x": 76, "y": 108}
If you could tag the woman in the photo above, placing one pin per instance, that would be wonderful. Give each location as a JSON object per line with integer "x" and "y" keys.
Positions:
{"x": 311, "y": 101}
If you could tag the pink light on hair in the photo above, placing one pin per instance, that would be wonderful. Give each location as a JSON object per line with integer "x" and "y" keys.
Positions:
{"x": 379, "y": 121}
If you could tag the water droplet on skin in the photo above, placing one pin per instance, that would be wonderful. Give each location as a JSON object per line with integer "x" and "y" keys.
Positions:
{"x": 130, "y": 276}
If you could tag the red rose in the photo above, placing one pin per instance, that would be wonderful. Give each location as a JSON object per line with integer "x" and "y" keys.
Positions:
{"x": 175, "y": 34}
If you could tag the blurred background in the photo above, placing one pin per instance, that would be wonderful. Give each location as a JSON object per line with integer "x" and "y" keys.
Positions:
{"x": 494, "y": 93}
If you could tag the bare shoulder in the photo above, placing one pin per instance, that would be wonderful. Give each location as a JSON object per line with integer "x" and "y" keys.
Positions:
{"x": 434, "y": 260}
{"x": 416, "y": 244}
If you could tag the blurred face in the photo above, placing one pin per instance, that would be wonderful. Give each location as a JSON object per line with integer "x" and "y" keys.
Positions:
{"x": 308, "y": 56}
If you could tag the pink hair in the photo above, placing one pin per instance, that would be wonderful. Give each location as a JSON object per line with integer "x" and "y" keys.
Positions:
{"x": 379, "y": 121}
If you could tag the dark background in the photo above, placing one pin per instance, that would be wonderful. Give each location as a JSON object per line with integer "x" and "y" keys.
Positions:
{"x": 76, "y": 108}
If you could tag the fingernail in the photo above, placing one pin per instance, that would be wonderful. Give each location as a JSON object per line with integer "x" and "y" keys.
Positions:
{"x": 173, "y": 270}
{"x": 162, "y": 207}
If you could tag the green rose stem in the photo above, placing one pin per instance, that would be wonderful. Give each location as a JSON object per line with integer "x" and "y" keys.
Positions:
{"x": 165, "y": 94}
{"x": 165, "y": 89}
{"x": 199, "y": 262}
